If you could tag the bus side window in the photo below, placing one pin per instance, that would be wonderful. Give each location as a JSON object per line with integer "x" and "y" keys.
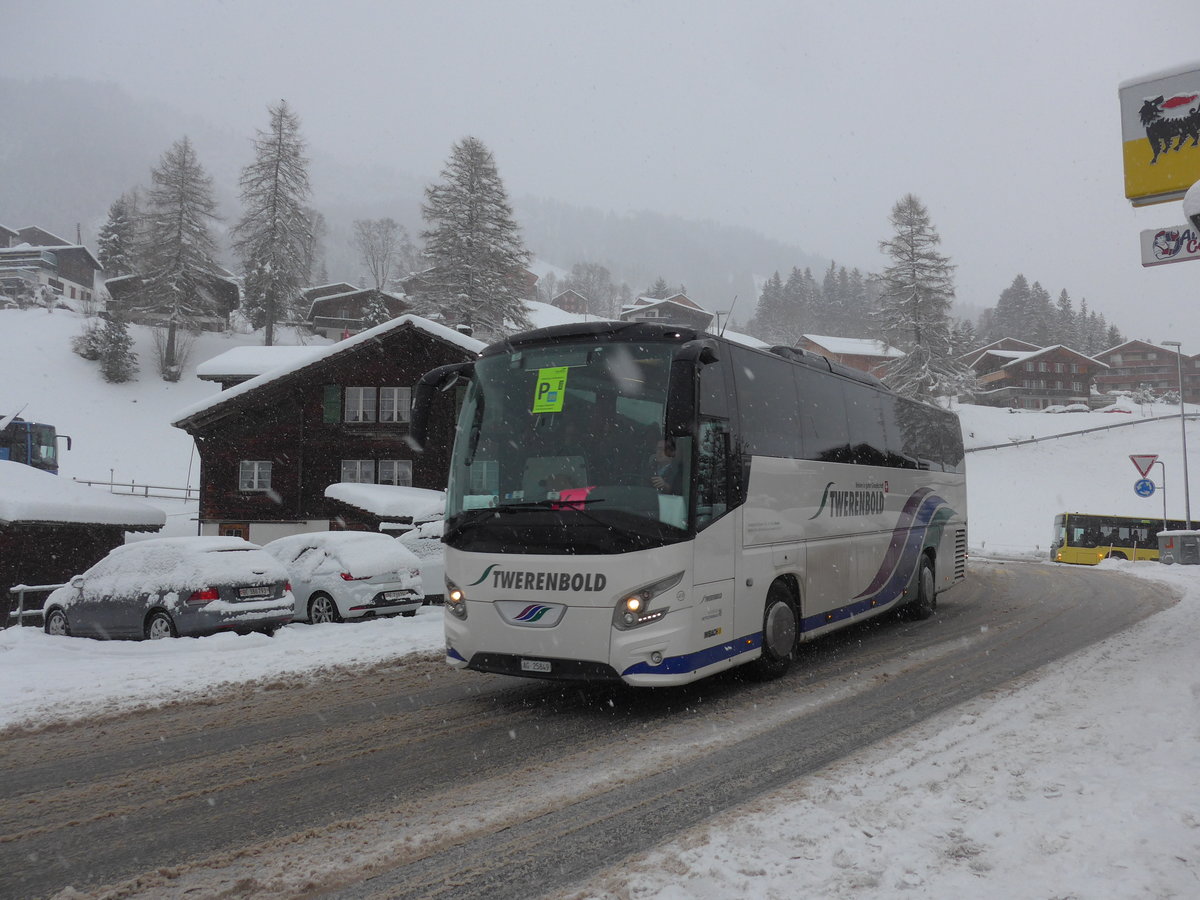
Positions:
{"x": 766, "y": 397}
{"x": 824, "y": 429}
{"x": 868, "y": 445}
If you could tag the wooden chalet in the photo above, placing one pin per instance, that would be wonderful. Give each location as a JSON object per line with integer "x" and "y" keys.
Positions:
{"x": 1007, "y": 343}
{"x": 220, "y": 291}
{"x": 571, "y": 301}
{"x": 863, "y": 354}
{"x": 677, "y": 309}
{"x": 32, "y": 258}
{"x": 1033, "y": 379}
{"x": 270, "y": 446}
{"x": 1134, "y": 365}
{"x": 341, "y": 314}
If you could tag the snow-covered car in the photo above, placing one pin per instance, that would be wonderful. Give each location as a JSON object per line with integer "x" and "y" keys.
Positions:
{"x": 425, "y": 542}
{"x": 340, "y": 575}
{"x": 170, "y": 587}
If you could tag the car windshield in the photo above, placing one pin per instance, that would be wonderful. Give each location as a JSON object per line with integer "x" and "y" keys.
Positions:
{"x": 570, "y": 434}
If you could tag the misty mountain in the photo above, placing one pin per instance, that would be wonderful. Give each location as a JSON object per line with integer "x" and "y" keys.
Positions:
{"x": 70, "y": 147}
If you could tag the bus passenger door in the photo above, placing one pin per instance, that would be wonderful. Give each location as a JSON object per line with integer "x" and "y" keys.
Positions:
{"x": 717, "y": 536}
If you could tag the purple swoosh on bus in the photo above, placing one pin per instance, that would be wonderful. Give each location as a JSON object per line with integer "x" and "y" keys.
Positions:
{"x": 918, "y": 510}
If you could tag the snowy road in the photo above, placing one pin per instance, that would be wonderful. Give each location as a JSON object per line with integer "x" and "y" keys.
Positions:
{"x": 409, "y": 779}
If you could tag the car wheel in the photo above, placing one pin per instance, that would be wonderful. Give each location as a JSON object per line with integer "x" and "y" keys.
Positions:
{"x": 780, "y": 631}
{"x": 321, "y": 608}
{"x": 925, "y": 603}
{"x": 159, "y": 626}
{"x": 56, "y": 623}
{"x": 409, "y": 613}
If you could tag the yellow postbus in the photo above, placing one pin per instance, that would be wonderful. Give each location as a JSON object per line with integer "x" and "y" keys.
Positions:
{"x": 1087, "y": 539}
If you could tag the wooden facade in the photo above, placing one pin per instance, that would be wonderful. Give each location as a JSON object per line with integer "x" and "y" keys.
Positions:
{"x": 1138, "y": 364}
{"x": 37, "y": 553}
{"x": 298, "y": 427}
{"x": 1034, "y": 379}
{"x": 342, "y": 314}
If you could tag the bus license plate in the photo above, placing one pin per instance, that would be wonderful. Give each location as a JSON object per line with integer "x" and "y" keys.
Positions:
{"x": 535, "y": 665}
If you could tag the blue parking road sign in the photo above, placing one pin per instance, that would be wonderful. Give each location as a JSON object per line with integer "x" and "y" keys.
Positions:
{"x": 1143, "y": 487}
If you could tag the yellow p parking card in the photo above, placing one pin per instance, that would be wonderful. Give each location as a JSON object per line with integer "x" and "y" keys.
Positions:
{"x": 551, "y": 390}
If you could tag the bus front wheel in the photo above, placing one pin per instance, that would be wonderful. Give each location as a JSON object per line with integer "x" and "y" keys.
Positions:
{"x": 780, "y": 629}
{"x": 925, "y": 603}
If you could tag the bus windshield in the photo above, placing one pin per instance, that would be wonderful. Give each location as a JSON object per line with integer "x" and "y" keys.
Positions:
{"x": 562, "y": 449}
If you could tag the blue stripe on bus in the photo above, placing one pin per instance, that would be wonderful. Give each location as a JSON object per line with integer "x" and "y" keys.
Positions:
{"x": 690, "y": 662}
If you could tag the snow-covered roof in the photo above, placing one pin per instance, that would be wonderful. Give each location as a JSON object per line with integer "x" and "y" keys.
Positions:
{"x": 1022, "y": 357}
{"x": 327, "y": 298}
{"x": 52, "y": 248}
{"x": 433, "y": 329}
{"x": 1009, "y": 354}
{"x": 31, "y": 496}
{"x": 855, "y": 346}
{"x": 390, "y": 501}
{"x": 247, "y": 362}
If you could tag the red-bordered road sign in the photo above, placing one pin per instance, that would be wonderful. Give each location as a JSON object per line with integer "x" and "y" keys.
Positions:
{"x": 1143, "y": 462}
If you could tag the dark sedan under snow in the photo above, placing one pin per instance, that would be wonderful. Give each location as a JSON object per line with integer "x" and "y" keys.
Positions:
{"x": 168, "y": 587}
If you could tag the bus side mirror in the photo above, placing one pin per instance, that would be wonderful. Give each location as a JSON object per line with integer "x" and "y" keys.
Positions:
{"x": 681, "y": 390}
{"x": 440, "y": 379}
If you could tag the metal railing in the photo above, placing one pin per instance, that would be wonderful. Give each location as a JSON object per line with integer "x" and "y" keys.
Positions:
{"x": 1034, "y": 439}
{"x": 20, "y": 614}
{"x": 133, "y": 489}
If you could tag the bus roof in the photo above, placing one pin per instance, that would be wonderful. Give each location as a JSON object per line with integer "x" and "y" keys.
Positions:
{"x": 623, "y": 331}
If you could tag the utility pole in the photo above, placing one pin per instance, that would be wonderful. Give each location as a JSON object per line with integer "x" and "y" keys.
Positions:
{"x": 1187, "y": 497}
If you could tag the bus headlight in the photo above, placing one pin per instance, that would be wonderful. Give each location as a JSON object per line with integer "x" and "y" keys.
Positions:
{"x": 634, "y": 608}
{"x": 456, "y": 600}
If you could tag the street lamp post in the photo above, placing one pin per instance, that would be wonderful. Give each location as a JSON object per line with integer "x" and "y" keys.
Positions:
{"x": 1187, "y": 497}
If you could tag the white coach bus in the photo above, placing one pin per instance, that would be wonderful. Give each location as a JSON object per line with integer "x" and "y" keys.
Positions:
{"x": 655, "y": 504}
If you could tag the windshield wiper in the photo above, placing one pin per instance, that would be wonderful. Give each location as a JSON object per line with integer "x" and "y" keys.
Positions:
{"x": 549, "y": 504}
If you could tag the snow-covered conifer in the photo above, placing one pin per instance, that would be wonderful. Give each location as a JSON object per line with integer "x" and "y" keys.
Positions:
{"x": 117, "y": 241}
{"x": 916, "y": 292}
{"x": 376, "y": 311}
{"x": 118, "y": 362}
{"x": 274, "y": 237}
{"x": 178, "y": 251}
{"x": 474, "y": 245}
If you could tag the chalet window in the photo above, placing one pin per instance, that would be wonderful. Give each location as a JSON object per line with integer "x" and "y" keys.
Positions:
{"x": 254, "y": 475}
{"x": 1077, "y": 386}
{"x": 360, "y": 404}
{"x": 1059, "y": 368}
{"x": 1028, "y": 367}
{"x": 358, "y": 471}
{"x": 395, "y": 471}
{"x": 1043, "y": 367}
{"x": 395, "y": 405}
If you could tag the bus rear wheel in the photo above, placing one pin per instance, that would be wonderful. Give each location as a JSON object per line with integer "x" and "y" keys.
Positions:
{"x": 781, "y": 626}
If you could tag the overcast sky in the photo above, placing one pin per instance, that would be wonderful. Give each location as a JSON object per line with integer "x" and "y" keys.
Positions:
{"x": 805, "y": 121}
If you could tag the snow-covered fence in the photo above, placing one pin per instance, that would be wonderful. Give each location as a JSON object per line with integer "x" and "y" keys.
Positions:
{"x": 1034, "y": 439}
{"x": 17, "y": 615}
{"x": 133, "y": 489}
